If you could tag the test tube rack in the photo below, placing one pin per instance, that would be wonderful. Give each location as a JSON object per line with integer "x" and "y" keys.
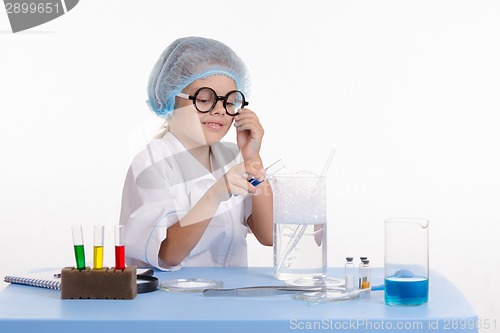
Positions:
{"x": 105, "y": 283}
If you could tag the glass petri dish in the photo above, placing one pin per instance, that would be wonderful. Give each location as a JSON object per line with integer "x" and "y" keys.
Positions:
{"x": 334, "y": 295}
{"x": 316, "y": 282}
{"x": 190, "y": 285}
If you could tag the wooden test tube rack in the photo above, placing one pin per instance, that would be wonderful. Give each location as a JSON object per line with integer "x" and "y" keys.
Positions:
{"x": 105, "y": 283}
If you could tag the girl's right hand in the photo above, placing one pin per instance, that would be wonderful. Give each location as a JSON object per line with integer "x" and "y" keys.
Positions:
{"x": 234, "y": 182}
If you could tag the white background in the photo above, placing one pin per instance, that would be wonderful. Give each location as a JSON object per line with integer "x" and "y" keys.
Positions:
{"x": 406, "y": 91}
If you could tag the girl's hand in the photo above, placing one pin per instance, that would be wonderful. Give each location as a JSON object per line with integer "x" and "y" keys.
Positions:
{"x": 249, "y": 134}
{"x": 255, "y": 169}
{"x": 235, "y": 182}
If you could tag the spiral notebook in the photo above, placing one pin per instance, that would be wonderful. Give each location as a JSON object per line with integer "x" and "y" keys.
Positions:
{"x": 51, "y": 279}
{"x": 47, "y": 279}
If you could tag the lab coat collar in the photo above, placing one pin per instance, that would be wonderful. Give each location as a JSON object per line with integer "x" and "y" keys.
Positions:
{"x": 190, "y": 167}
{"x": 223, "y": 156}
{"x": 196, "y": 177}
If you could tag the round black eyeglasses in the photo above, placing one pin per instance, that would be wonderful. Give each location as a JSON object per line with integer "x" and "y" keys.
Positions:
{"x": 205, "y": 99}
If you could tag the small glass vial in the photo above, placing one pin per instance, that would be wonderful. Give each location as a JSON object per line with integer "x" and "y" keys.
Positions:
{"x": 364, "y": 275}
{"x": 361, "y": 259}
{"x": 349, "y": 274}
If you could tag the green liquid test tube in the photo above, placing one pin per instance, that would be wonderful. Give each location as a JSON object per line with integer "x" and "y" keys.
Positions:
{"x": 78, "y": 246}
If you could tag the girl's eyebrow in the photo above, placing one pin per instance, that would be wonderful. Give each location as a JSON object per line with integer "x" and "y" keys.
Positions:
{"x": 192, "y": 91}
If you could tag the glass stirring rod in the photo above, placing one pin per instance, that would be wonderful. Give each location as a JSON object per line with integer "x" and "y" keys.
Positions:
{"x": 270, "y": 171}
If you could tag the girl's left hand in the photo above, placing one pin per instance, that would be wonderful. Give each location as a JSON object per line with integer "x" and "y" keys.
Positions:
{"x": 249, "y": 134}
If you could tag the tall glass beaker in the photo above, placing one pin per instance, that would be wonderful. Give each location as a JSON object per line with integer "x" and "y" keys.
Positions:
{"x": 299, "y": 226}
{"x": 406, "y": 269}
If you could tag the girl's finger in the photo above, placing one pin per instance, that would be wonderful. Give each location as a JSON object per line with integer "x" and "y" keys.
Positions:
{"x": 242, "y": 185}
{"x": 249, "y": 126}
{"x": 255, "y": 169}
{"x": 246, "y": 114}
{"x": 243, "y": 121}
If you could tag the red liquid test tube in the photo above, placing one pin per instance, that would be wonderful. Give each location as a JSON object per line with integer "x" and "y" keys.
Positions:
{"x": 119, "y": 248}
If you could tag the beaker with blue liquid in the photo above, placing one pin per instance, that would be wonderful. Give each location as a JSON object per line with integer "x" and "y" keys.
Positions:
{"x": 406, "y": 269}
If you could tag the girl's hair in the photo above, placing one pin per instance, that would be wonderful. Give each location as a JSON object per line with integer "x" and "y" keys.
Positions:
{"x": 162, "y": 130}
{"x": 189, "y": 59}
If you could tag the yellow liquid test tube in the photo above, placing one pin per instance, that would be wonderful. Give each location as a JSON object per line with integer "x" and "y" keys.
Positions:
{"x": 98, "y": 246}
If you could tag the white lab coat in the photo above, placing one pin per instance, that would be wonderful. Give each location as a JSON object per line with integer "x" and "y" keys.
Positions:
{"x": 163, "y": 183}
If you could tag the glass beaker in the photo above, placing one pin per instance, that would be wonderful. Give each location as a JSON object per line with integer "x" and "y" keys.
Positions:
{"x": 299, "y": 226}
{"x": 406, "y": 269}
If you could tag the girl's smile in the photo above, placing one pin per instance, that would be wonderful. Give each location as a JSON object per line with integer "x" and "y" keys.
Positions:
{"x": 213, "y": 125}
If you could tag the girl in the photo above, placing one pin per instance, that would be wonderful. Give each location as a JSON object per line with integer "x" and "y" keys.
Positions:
{"x": 186, "y": 199}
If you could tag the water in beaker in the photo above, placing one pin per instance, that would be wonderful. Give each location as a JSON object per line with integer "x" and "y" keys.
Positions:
{"x": 299, "y": 226}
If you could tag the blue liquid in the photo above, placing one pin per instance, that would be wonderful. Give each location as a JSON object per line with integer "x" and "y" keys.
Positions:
{"x": 406, "y": 291}
{"x": 254, "y": 181}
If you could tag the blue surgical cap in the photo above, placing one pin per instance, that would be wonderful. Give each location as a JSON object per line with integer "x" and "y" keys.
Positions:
{"x": 189, "y": 59}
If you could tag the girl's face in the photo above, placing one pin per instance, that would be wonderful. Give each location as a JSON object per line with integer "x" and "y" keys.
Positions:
{"x": 194, "y": 128}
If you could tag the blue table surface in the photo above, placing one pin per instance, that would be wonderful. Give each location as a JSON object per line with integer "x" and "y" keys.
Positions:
{"x": 24, "y": 308}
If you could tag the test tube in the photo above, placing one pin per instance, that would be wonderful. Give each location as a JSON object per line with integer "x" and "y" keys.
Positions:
{"x": 78, "y": 246}
{"x": 119, "y": 248}
{"x": 98, "y": 246}
{"x": 270, "y": 171}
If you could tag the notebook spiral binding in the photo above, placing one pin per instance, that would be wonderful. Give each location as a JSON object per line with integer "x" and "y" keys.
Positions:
{"x": 34, "y": 282}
